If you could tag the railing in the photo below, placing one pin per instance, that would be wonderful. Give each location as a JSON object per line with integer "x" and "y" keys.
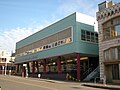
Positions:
{"x": 84, "y": 75}
{"x": 93, "y": 74}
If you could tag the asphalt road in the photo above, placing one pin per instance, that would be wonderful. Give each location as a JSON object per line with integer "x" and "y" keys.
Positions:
{"x": 19, "y": 83}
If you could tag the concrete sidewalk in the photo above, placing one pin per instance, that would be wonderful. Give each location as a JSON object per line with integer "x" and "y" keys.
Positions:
{"x": 103, "y": 86}
{"x": 95, "y": 85}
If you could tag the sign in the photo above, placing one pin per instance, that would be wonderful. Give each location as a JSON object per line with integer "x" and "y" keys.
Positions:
{"x": 24, "y": 65}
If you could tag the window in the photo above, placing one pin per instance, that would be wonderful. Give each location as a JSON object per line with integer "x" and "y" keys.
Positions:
{"x": 106, "y": 33}
{"x": 92, "y": 37}
{"x": 111, "y": 29}
{"x": 4, "y": 59}
{"x": 107, "y": 55}
{"x": 89, "y": 36}
{"x": 96, "y": 37}
{"x": 112, "y": 54}
{"x": 117, "y": 28}
{"x": 83, "y": 35}
{"x": 119, "y": 53}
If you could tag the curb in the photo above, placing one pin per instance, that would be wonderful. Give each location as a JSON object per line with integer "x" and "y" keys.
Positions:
{"x": 101, "y": 86}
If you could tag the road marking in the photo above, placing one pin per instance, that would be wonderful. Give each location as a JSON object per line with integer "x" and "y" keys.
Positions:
{"x": 29, "y": 84}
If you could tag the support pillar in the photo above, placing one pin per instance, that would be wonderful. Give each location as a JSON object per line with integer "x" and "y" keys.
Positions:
{"x": 44, "y": 66}
{"x": 23, "y": 71}
{"x": 18, "y": 68}
{"x": 37, "y": 66}
{"x": 59, "y": 65}
{"x": 28, "y": 67}
{"x": 78, "y": 66}
{"x": 33, "y": 67}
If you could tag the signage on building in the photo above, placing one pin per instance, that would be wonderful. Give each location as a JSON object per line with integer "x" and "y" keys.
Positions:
{"x": 24, "y": 65}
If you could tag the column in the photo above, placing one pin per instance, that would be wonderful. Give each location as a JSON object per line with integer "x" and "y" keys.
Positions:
{"x": 44, "y": 66}
{"x": 17, "y": 68}
{"x": 28, "y": 67}
{"x": 37, "y": 66}
{"x": 78, "y": 66}
{"x": 33, "y": 67}
{"x": 23, "y": 70}
{"x": 59, "y": 65}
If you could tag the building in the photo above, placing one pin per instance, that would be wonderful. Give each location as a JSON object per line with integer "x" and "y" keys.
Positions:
{"x": 5, "y": 61}
{"x": 108, "y": 18}
{"x": 69, "y": 46}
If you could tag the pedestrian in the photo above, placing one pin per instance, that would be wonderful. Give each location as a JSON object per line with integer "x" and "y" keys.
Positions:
{"x": 67, "y": 75}
{"x": 39, "y": 75}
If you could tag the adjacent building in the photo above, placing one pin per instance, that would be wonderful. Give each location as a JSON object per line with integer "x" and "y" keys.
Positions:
{"x": 69, "y": 46}
{"x": 108, "y": 18}
{"x": 6, "y": 61}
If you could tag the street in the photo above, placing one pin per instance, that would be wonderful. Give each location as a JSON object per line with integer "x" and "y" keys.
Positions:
{"x": 19, "y": 83}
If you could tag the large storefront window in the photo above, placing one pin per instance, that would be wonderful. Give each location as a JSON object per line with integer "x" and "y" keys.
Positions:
{"x": 111, "y": 29}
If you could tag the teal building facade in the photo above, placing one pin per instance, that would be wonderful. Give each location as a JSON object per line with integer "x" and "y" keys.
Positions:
{"x": 67, "y": 46}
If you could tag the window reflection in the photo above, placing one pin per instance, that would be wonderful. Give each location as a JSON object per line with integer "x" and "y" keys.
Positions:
{"x": 111, "y": 29}
{"x": 112, "y": 54}
{"x": 89, "y": 36}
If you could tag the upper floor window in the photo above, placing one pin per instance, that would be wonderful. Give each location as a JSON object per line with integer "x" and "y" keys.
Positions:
{"x": 111, "y": 29}
{"x": 89, "y": 36}
{"x": 4, "y": 59}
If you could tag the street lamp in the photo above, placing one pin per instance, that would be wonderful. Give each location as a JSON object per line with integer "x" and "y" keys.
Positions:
{"x": 5, "y": 65}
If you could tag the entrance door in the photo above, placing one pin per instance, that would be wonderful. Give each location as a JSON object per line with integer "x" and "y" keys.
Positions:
{"x": 115, "y": 71}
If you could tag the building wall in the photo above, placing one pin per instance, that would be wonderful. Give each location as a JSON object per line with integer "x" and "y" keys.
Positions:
{"x": 85, "y": 47}
{"x": 54, "y": 28}
{"x": 76, "y": 46}
{"x": 5, "y": 56}
{"x": 102, "y": 17}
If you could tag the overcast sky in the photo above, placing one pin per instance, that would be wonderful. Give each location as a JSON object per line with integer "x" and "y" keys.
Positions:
{"x": 21, "y": 18}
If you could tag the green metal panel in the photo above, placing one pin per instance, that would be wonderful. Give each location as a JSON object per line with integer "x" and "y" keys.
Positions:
{"x": 54, "y": 28}
{"x": 87, "y": 48}
{"x": 84, "y": 46}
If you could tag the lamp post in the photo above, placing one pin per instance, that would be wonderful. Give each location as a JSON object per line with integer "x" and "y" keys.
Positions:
{"x": 5, "y": 66}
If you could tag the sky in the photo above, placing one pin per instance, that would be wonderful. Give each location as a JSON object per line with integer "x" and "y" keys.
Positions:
{"x": 21, "y": 18}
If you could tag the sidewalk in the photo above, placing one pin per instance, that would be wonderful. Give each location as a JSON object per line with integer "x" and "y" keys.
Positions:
{"x": 103, "y": 86}
{"x": 88, "y": 84}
